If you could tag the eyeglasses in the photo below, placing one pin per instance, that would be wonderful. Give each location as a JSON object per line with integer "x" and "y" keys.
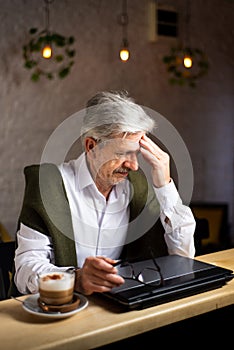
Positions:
{"x": 149, "y": 276}
{"x": 119, "y": 154}
{"x": 127, "y": 155}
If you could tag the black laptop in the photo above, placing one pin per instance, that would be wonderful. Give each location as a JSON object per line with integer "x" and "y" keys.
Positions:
{"x": 160, "y": 280}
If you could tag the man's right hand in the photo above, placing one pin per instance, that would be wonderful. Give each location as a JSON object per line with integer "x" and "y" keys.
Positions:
{"x": 97, "y": 275}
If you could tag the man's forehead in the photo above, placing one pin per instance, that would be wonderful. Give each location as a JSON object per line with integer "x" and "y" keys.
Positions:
{"x": 133, "y": 137}
{"x": 124, "y": 144}
{"x": 129, "y": 143}
{"x": 124, "y": 141}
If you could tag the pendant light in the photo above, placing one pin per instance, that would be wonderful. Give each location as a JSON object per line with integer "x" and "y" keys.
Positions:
{"x": 124, "y": 52}
{"x": 47, "y": 49}
{"x": 187, "y": 59}
{"x": 185, "y": 63}
{"x": 48, "y": 54}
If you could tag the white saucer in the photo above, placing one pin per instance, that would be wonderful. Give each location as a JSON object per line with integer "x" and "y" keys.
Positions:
{"x": 30, "y": 304}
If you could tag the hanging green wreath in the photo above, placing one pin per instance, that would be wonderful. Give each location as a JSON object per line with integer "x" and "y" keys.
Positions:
{"x": 179, "y": 73}
{"x": 61, "y": 60}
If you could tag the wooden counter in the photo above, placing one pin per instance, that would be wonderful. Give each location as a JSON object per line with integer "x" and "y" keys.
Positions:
{"x": 103, "y": 322}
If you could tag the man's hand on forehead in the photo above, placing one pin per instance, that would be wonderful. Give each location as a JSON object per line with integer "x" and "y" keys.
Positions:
{"x": 158, "y": 159}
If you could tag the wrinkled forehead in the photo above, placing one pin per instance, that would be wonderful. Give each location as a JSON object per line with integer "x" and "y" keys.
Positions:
{"x": 125, "y": 141}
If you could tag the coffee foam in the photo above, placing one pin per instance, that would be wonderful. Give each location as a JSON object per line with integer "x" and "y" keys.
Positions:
{"x": 56, "y": 281}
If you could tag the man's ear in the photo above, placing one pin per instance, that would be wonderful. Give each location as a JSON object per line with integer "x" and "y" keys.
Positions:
{"x": 90, "y": 143}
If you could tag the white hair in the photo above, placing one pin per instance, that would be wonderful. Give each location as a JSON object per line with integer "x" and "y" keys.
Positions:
{"x": 112, "y": 113}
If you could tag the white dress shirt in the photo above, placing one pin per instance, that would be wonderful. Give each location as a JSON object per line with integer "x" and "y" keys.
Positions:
{"x": 99, "y": 226}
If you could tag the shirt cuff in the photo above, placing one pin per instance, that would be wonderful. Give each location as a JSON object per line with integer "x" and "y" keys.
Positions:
{"x": 167, "y": 196}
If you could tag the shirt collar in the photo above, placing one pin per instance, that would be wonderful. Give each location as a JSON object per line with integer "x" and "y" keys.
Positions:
{"x": 83, "y": 177}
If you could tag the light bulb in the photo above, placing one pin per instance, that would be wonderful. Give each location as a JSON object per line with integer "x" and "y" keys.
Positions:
{"x": 47, "y": 51}
{"x": 124, "y": 54}
{"x": 188, "y": 62}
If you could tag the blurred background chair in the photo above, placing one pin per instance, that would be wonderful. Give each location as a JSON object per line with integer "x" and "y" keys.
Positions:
{"x": 212, "y": 232}
{"x": 201, "y": 232}
{"x": 7, "y": 253}
{"x": 4, "y": 234}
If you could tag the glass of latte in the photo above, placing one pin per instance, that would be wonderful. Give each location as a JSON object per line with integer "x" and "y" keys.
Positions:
{"x": 56, "y": 288}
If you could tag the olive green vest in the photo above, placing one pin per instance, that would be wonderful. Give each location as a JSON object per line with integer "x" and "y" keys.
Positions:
{"x": 46, "y": 209}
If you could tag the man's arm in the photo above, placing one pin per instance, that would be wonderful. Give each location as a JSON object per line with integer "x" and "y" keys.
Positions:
{"x": 33, "y": 255}
{"x": 177, "y": 219}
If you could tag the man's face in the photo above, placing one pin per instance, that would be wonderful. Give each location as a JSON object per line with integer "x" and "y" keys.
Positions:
{"x": 111, "y": 160}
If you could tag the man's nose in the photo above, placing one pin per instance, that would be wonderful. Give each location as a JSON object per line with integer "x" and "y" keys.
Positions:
{"x": 131, "y": 162}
